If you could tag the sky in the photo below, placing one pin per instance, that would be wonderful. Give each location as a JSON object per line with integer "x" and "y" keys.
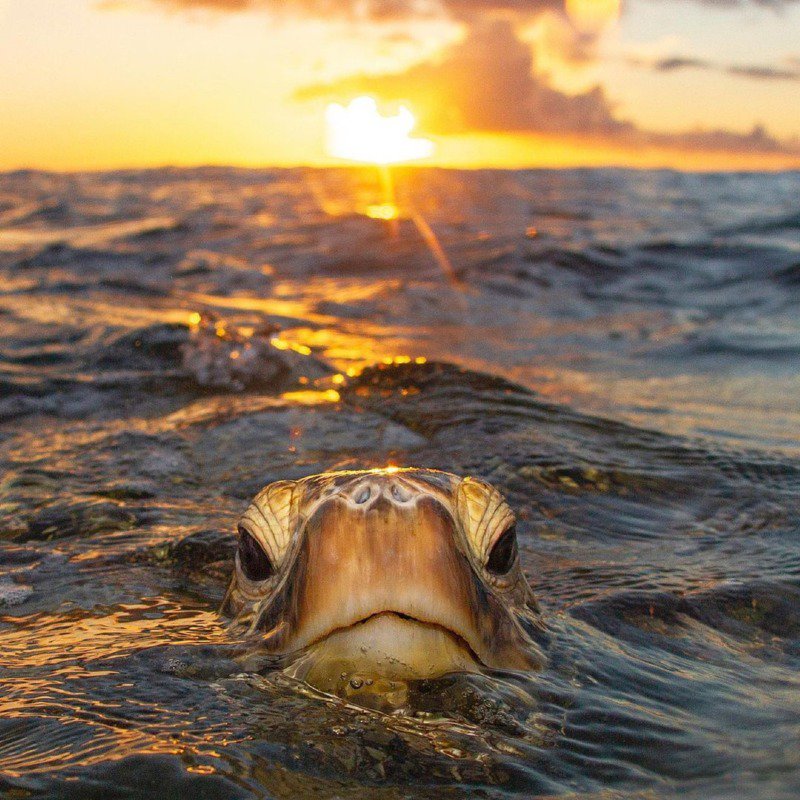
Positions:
{"x": 696, "y": 84}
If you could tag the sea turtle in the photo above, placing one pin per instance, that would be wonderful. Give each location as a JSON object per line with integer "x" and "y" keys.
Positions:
{"x": 372, "y": 578}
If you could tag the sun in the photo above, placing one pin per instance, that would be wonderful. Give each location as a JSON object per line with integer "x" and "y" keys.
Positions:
{"x": 359, "y": 132}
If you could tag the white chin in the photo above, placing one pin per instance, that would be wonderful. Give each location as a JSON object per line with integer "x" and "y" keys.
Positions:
{"x": 383, "y": 649}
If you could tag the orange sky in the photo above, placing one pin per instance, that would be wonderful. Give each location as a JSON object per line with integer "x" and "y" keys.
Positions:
{"x": 142, "y": 83}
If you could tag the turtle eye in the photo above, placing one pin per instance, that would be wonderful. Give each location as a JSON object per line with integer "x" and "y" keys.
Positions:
{"x": 255, "y": 563}
{"x": 503, "y": 553}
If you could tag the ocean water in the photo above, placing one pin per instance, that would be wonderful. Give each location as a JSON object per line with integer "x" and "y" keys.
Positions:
{"x": 617, "y": 351}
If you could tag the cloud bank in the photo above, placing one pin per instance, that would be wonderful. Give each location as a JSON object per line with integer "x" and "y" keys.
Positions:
{"x": 756, "y": 71}
{"x": 487, "y": 84}
{"x": 387, "y": 9}
{"x": 484, "y": 83}
{"x": 464, "y": 10}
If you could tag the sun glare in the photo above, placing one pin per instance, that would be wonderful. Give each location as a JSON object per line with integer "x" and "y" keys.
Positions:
{"x": 359, "y": 132}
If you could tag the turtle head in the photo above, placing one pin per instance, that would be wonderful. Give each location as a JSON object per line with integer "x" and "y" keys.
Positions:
{"x": 387, "y": 574}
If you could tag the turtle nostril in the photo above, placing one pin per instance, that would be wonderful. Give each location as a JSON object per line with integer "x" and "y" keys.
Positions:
{"x": 399, "y": 493}
{"x": 363, "y": 494}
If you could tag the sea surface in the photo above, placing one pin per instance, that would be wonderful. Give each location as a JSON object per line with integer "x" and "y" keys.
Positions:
{"x": 617, "y": 351}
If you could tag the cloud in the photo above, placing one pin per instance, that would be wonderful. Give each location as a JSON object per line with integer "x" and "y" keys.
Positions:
{"x": 464, "y": 10}
{"x": 484, "y": 83}
{"x": 487, "y": 84}
{"x": 393, "y": 9}
{"x": 757, "y": 141}
{"x": 679, "y": 62}
{"x": 756, "y": 71}
{"x": 742, "y": 3}
{"x": 764, "y": 73}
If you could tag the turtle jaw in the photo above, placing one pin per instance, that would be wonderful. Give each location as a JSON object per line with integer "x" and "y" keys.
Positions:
{"x": 385, "y": 647}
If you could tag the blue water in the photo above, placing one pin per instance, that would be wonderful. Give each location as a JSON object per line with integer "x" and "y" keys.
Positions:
{"x": 617, "y": 351}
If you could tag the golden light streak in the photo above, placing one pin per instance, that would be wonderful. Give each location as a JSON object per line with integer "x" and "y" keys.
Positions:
{"x": 311, "y": 397}
{"x": 359, "y": 132}
{"x": 435, "y": 247}
{"x": 386, "y": 211}
{"x": 281, "y": 344}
